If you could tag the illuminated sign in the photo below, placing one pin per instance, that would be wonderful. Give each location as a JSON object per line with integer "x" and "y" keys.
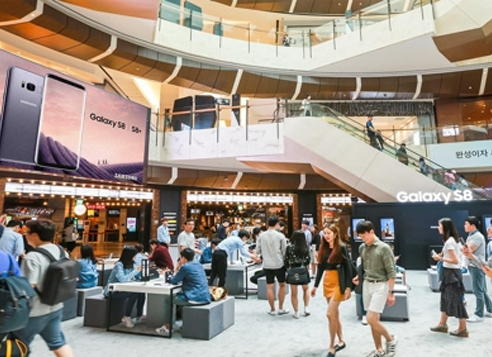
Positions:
{"x": 77, "y": 191}
{"x": 445, "y": 197}
{"x": 96, "y": 206}
{"x": 238, "y": 198}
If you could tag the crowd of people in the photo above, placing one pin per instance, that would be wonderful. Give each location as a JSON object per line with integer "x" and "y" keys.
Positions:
{"x": 306, "y": 255}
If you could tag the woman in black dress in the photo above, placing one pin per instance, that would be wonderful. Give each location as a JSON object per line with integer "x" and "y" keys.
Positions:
{"x": 297, "y": 255}
{"x": 452, "y": 288}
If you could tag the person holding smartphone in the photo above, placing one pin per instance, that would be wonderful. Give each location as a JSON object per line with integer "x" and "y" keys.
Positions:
{"x": 452, "y": 288}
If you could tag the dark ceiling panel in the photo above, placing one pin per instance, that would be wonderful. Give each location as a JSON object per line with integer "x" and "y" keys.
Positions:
{"x": 71, "y": 36}
{"x": 163, "y": 68}
{"x": 246, "y": 4}
{"x": 488, "y": 85}
{"x": 249, "y": 182}
{"x": 187, "y": 74}
{"x": 47, "y": 24}
{"x": 310, "y": 85}
{"x": 450, "y": 85}
{"x": 225, "y": 81}
{"x": 97, "y": 43}
{"x": 267, "y": 86}
{"x": 304, "y": 6}
{"x": 470, "y": 83}
{"x": 370, "y": 88}
{"x": 16, "y": 9}
{"x": 205, "y": 80}
{"x": 286, "y": 86}
{"x": 388, "y": 86}
{"x": 430, "y": 84}
{"x": 406, "y": 87}
{"x": 124, "y": 54}
{"x": 248, "y": 84}
{"x": 361, "y": 4}
{"x": 282, "y": 5}
{"x": 142, "y": 63}
{"x": 265, "y": 5}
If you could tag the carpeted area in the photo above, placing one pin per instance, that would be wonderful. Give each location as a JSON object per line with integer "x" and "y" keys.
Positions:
{"x": 258, "y": 334}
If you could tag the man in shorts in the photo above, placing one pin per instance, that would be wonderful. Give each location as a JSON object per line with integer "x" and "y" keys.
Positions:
{"x": 271, "y": 246}
{"x": 379, "y": 281}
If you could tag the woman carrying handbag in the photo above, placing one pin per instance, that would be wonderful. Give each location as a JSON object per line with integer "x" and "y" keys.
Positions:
{"x": 297, "y": 259}
{"x": 333, "y": 260}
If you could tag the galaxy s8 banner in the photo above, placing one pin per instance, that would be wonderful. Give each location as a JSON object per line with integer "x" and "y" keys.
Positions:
{"x": 52, "y": 122}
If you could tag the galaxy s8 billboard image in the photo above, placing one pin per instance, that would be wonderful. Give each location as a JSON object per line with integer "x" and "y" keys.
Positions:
{"x": 51, "y": 122}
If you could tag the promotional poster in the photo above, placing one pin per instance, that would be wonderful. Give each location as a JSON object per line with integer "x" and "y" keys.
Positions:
{"x": 53, "y": 123}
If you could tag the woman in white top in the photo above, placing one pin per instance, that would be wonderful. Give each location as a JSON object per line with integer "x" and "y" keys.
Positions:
{"x": 452, "y": 288}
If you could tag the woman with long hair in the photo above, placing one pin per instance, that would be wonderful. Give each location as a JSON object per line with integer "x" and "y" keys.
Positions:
{"x": 124, "y": 272}
{"x": 452, "y": 288}
{"x": 88, "y": 268}
{"x": 331, "y": 255}
{"x": 297, "y": 255}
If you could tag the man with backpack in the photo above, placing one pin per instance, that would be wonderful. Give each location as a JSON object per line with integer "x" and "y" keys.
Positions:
{"x": 44, "y": 319}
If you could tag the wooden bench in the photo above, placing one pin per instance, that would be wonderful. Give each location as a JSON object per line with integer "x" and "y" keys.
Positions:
{"x": 204, "y": 322}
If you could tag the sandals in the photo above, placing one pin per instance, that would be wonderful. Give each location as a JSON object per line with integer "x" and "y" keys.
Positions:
{"x": 440, "y": 328}
{"x": 340, "y": 346}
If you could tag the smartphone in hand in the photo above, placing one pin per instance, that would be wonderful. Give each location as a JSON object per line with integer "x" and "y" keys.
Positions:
{"x": 433, "y": 252}
{"x": 463, "y": 242}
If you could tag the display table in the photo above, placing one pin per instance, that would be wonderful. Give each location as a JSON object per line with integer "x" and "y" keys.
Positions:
{"x": 237, "y": 278}
{"x": 156, "y": 291}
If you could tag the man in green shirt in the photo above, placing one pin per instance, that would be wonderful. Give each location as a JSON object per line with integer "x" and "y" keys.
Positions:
{"x": 379, "y": 281}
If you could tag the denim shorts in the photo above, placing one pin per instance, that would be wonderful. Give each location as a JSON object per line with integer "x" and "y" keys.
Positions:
{"x": 47, "y": 326}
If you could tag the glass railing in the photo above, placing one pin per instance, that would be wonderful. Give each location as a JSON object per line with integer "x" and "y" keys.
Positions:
{"x": 389, "y": 146}
{"x": 300, "y": 36}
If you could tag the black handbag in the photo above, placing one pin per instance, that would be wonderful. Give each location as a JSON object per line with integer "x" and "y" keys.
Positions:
{"x": 16, "y": 295}
{"x": 13, "y": 347}
{"x": 298, "y": 276}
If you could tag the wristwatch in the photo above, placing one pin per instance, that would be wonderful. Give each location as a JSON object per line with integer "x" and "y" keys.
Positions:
{"x": 392, "y": 292}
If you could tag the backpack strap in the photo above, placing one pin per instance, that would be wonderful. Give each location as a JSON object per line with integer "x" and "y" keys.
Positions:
{"x": 46, "y": 254}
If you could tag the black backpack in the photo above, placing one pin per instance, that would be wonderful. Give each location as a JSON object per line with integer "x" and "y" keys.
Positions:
{"x": 60, "y": 279}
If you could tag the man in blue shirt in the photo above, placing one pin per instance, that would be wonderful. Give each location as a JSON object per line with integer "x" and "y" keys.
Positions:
{"x": 194, "y": 289}
{"x": 11, "y": 241}
{"x": 226, "y": 249}
{"x": 307, "y": 232}
{"x": 163, "y": 235}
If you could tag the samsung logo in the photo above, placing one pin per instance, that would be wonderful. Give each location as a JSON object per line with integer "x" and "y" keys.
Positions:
{"x": 28, "y": 103}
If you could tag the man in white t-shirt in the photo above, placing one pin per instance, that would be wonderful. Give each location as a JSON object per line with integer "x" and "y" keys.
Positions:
{"x": 44, "y": 320}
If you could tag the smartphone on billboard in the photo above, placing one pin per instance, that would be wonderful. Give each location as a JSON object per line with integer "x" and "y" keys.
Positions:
{"x": 61, "y": 124}
{"x": 22, "y": 103}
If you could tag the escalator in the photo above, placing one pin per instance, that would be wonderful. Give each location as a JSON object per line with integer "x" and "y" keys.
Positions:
{"x": 337, "y": 148}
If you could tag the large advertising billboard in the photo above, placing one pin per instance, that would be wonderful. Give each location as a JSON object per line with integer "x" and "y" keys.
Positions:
{"x": 53, "y": 123}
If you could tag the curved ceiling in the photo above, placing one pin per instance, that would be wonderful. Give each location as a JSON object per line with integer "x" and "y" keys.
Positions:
{"x": 57, "y": 31}
{"x": 331, "y": 7}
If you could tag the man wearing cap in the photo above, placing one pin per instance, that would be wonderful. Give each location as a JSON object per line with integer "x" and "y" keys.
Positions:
{"x": 163, "y": 235}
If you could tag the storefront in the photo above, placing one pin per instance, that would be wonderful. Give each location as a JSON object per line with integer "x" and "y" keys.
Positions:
{"x": 101, "y": 213}
{"x": 248, "y": 209}
{"x": 335, "y": 208}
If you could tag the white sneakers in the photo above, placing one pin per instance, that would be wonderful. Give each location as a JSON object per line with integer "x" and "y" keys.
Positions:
{"x": 283, "y": 311}
{"x": 364, "y": 320}
{"x": 475, "y": 319}
{"x": 163, "y": 330}
{"x": 487, "y": 314}
{"x": 391, "y": 347}
{"x": 295, "y": 314}
{"x": 307, "y": 312}
{"x": 127, "y": 321}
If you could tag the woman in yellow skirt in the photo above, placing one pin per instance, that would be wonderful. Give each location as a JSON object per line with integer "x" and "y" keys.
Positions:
{"x": 331, "y": 255}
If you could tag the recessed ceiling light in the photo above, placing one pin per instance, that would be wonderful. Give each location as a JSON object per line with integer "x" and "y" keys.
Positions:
{"x": 469, "y": 87}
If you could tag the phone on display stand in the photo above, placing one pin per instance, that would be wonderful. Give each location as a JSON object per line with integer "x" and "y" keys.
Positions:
{"x": 23, "y": 98}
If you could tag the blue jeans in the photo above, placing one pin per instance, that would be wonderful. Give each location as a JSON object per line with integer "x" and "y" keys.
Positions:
{"x": 480, "y": 291}
{"x": 133, "y": 298}
{"x": 47, "y": 326}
